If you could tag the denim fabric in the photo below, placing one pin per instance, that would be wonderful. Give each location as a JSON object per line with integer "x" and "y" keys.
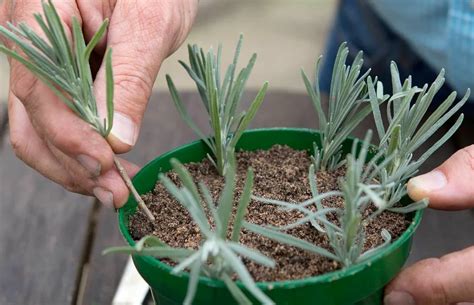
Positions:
{"x": 439, "y": 31}
{"x": 359, "y": 25}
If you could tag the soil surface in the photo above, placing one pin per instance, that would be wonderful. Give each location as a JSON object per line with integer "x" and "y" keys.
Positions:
{"x": 280, "y": 173}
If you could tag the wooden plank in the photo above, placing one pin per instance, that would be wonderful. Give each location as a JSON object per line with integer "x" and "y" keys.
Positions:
{"x": 44, "y": 230}
{"x": 102, "y": 274}
{"x": 163, "y": 129}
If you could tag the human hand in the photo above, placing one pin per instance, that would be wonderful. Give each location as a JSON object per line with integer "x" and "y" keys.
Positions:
{"x": 48, "y": 136}
{"x": 449, "y": 279}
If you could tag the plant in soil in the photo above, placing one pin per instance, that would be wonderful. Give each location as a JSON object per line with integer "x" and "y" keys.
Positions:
{"x": 260, "y": 216}
{"x": 335, "y": 213}
{"x": 221, "y": 98}
{"x": 347, "y": 107}
{"x": 219, "y": 254}
{"x": 358, "y": 190}
{"x": 64, "y": 67}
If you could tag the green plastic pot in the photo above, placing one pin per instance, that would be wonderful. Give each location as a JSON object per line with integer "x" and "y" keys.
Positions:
{"x": 356, "y": 285}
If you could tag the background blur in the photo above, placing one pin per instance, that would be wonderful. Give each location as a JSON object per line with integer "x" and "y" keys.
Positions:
{"x": 286, "y": 34}
{"x": 68, "y": 232}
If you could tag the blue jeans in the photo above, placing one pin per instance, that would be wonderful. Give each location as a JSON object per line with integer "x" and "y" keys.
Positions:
{"x": 357, "y": 24}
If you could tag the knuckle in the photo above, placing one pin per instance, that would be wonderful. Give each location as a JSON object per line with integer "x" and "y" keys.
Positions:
{"x": 162, "y": 14}
{"x": 60, "y": 139}
{"x": 72, "y": 137}
{"x": 18, "y": 144}
{"x": 168, "y": 19}
{"x": 435, "y": 290}
{"x": 132, "y": 80}
{"x": 73, "y": 187}
{"x": 77, "y": 181}
{"x": 23, "y": 84}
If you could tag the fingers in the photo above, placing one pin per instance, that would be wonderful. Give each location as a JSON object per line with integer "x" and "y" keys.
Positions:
{"x": 48, "y": 136}
{"x": 449, "y": 186}
{"x": 60, "y": 168}
{"x": 30, "y": 148}
{"x": 443, "y": 281}
{"x": 57, "y": 125}
{"x": 110, "y": 187}
{"x": 17, "y": 12}
{"x": 53, "y": 121}
{"x": 141, "y": 36}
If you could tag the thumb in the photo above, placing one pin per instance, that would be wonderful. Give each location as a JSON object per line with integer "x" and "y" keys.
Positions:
{"x": 448, "y": 187}
{"x": 445, "y": 281}
{"x": 134, "y": 72}
{"x": 141, "y": 35}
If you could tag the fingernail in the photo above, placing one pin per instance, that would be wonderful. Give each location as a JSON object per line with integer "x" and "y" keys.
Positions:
{"x": 90, "y": 164}
{"x": 421, "y": 186}
{"x": 104, "y": 196}
{"x": 399, "y": 298}
{"x": 124, "y": 129}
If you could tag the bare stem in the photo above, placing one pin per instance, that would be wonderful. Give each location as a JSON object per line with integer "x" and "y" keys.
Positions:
{"x": 132, "y": 189}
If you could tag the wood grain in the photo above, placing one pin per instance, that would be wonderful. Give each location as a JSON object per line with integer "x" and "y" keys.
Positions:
{"x": 43, "y": 233}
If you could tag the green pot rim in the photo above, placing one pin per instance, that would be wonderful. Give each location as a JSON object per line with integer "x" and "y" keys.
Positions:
{"x": 324, "y": 278}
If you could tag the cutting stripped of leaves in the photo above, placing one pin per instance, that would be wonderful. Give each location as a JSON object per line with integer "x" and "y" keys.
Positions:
{"x": 221, "y": 98}
{"x": 64, "y": 67}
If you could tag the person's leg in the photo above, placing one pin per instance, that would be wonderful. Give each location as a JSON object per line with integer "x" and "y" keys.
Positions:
{"x": 358, "y": 25}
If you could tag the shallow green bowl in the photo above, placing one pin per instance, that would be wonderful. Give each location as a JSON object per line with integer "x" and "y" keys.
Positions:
{"x": 359, "y": 284}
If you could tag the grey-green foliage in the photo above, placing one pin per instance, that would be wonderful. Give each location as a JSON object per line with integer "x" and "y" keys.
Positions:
{"x": 358, "y": 191}
{"x": 408, "y": 127}
{"x": 217, "y": 257}
{"x": 221, "y": 98}
{"x": 62, "y": 66}
{"x": 347, "y": 107}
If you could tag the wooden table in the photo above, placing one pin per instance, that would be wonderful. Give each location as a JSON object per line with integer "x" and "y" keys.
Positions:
{"x": 51, "y": 240}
